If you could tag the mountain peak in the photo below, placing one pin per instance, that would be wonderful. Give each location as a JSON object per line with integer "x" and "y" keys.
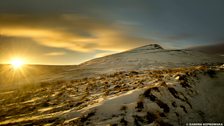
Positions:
{"x": 149, "y": 47}
{"x": 156, "y": 46}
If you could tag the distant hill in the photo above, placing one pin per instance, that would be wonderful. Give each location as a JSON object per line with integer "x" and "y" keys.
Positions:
{"x": 211, "y": 49}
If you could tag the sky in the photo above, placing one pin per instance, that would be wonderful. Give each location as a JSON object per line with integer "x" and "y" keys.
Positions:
{"x": 73, "y": 31}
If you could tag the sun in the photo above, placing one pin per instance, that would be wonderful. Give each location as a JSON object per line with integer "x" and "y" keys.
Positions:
{"x": 17, "y": 63}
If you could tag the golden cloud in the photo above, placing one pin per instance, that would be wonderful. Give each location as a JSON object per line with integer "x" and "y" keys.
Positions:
{"x": 72, "y": 32}
{"x": 55, "y": 54}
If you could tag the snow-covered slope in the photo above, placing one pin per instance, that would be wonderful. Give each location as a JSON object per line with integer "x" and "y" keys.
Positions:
{"x": 138, "y": 87}
{"x": 180, "y": 97}
{"x": 134, "y": 98}
{"x": 149, "y": 57}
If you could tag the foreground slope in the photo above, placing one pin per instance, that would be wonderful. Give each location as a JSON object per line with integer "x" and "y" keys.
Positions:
{"x": 154, "y": 97}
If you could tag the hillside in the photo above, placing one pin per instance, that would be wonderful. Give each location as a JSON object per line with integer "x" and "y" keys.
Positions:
{"x": 151, "y": 56}
{"x": 155, "y": 97}
{"x": 148, "y": 85}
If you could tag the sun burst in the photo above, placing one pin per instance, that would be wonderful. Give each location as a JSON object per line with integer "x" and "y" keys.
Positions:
{"x": 17, "y": 63}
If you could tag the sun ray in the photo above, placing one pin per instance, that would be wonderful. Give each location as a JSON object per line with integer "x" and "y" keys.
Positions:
{"x": 17, "y": 63}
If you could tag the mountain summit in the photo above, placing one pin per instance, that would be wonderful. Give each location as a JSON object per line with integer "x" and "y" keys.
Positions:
{"x": 149, "y": 47}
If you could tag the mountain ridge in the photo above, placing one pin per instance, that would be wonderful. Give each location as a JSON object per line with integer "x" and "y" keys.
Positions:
{"x": 151, "y": 56}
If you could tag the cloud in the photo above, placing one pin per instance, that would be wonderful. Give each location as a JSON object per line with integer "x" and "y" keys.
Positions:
{"x": 55, "y": 54}
{"x": 70, "y": 31}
